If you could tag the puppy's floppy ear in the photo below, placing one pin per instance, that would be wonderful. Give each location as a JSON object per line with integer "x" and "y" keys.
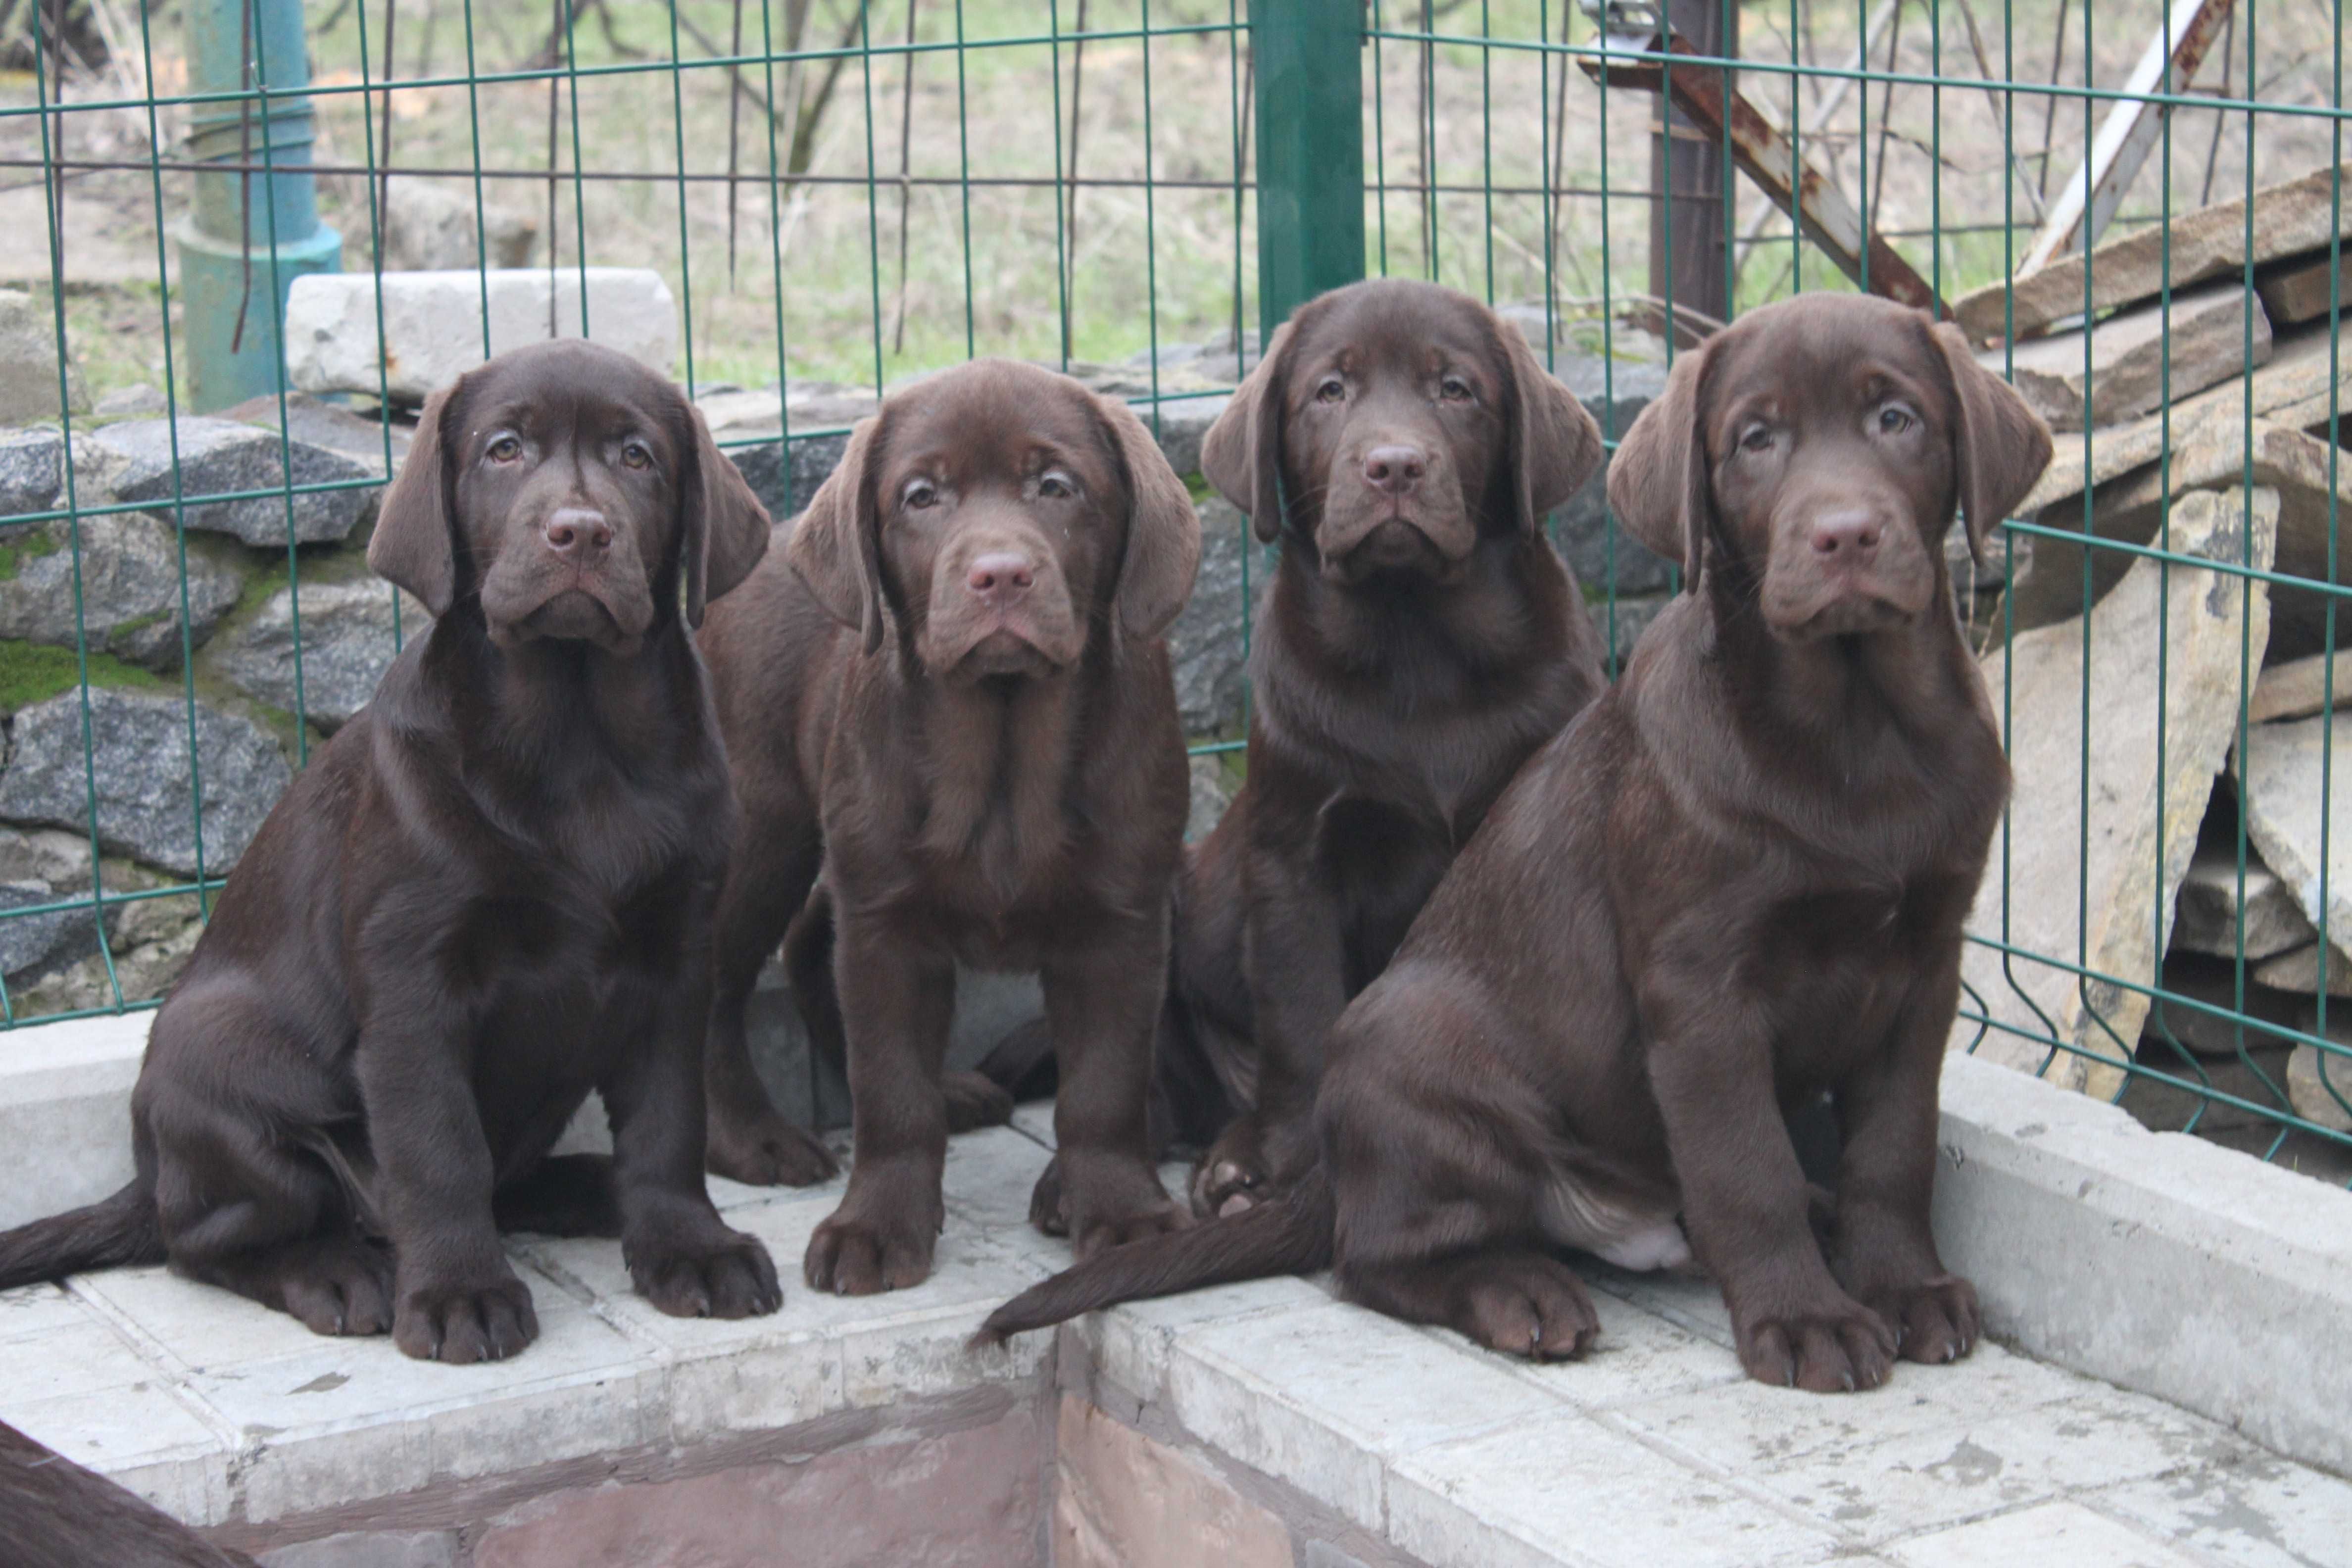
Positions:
{"x": 411, "y": 544}
{"x": 1658, "y": 483}
{"x": 1241, "y": 453}
{"x": 726, "y": 528}
{"x": 837, "y": 546}
{"x": 1163, "y": 531}
{"x": 1557, "y": 445}
{"x": 2001, "y": 445}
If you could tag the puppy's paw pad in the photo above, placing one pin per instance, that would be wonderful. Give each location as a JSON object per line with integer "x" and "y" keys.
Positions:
{"x": 975, "y": 1101}
{"x": 1100, "y": 1235}
{"x": 1533, "y": 1306}
{"x": 733, "y": 1279}
{"x": 465, "y": 1323}
{"x": 849, "y": 1257}
{"x": 1834, "y": 1350}
{"x": 1936, "y": 1322}
{"x": 768, "y": 1152}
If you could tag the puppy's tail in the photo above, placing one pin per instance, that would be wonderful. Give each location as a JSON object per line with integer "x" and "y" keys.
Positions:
{"x": 119, "y": 1230}
{"x": 1290, "y": 1235}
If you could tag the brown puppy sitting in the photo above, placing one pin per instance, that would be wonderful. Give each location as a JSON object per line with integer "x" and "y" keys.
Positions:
{"x": 952, "y": 690}
{"x": 489, "y": 894}
{"x": 1736, "y": 882}
{"x": 1420, "y": 639}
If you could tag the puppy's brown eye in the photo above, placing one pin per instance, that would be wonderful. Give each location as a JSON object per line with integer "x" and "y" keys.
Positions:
{"x": 918, "y": 494}
{"x": 636, "y": 454}
{"x": 504, "y": 449}
{"x": 1454, "y": 389}
{"x": 1756, "y": 438}
{"x": 1056, "y": 485}
{"x": 1330, "y": 390}
{"x": 1894, "y": 419}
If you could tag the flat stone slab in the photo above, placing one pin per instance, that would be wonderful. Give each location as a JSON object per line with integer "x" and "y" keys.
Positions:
{"x": 2130, "y": 846}
{"x": 347, "y": 643}
{"x": 2295, "y": 215}
{"x": 2136, "y": 357}
{"x": 2291, "y": 391}
{"x": 2217, "y": 450}
{"x": 224, "y": 458}
{"x": 2219, "y": 912}
{"x": 137, "y": 764}
{"x": 2301, "y": 686}
{"x": 2299, "y": 971}
{"x": 2300, "y": 290}
{"x": 2289, "y": 801}
{"x": 131, "y": 581}
{"x": 1206, "y": 645}
{"x": 431, "y": 323}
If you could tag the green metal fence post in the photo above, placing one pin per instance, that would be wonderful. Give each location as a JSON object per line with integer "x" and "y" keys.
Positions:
{"x": 1310, "y": 157}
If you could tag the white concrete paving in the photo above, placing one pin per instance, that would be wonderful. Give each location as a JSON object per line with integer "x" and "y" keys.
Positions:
{"x": 1651, "y": 1452}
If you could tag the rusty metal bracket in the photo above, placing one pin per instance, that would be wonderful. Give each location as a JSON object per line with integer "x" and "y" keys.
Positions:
{"x": 1636, "y": 51}
{"x": 2128, "y": 132}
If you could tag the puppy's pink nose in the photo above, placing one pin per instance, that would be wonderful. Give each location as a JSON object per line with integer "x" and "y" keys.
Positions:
{"x": 1395, "y": 469}
{"x": 1001, "y": 574}
{"x": 1845, "y": 535}
{"x": 573, "y": 530}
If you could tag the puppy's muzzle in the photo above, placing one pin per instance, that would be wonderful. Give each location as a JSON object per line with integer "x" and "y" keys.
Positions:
{"x": 999, "y": 607}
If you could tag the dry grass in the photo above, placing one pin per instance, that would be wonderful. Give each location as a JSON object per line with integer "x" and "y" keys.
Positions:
{"x": 865, "y": 294}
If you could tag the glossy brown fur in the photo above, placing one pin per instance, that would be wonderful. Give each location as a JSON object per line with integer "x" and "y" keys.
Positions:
{"x": 1736, "y": 882}
{"x": 1003, "y": 788}
{"x": 490, "y": 894}
{"x": 1412, "y": 649}
{"x": 55, "y": 1514}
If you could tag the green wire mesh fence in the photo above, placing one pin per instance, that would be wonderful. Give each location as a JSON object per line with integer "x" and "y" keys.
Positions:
{"x": 792, "y": 205}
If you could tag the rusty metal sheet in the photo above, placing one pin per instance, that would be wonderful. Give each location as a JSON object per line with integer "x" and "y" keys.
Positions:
{"x": 1812, "y": 202}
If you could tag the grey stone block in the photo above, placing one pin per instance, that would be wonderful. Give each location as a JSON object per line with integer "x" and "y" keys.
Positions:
{"x": 139, "y": 764}
{"x": 30, "y": 944}
{"x": 31, "y": 470}
{"x": 347, "y": 644}
{"x": 130, "y": 583}
{"x": 218, "y": 456}
{"x": 1206, "y": 645}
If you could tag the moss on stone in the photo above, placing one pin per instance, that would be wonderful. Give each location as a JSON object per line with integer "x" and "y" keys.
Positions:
{"x": 35, "y": 672}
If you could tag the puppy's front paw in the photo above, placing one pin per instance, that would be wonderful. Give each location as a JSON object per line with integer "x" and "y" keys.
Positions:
{"x": 339, "y": 1287}
{"x": 849, "y": 1256}
{"x": 1835, "y": 1345}
{"x": 766, "y": 1151}
{"x": 975, "y": 1101}
{"x": 729, "y": 1276}
{"x": 1525, "y": 1304}
{"x": 1935, "y": 1321}
{"x": 1103, "y": 1231}
{"x": 465, "y": 1322}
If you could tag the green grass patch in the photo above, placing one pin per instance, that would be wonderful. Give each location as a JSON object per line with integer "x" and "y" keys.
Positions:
{"x": 35, "y": 672}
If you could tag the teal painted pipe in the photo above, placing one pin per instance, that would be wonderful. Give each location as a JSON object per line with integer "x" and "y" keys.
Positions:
{"x": 251, "y": 233}
{"x": 1310, "y": 124}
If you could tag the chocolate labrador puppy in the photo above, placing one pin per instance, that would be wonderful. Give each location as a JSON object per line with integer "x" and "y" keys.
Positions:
{"x": 951, "y": 693}
{"x": 489, "y": 894}
{"x": 1736, "y": 882}
{"x": 1419, "y": 640}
